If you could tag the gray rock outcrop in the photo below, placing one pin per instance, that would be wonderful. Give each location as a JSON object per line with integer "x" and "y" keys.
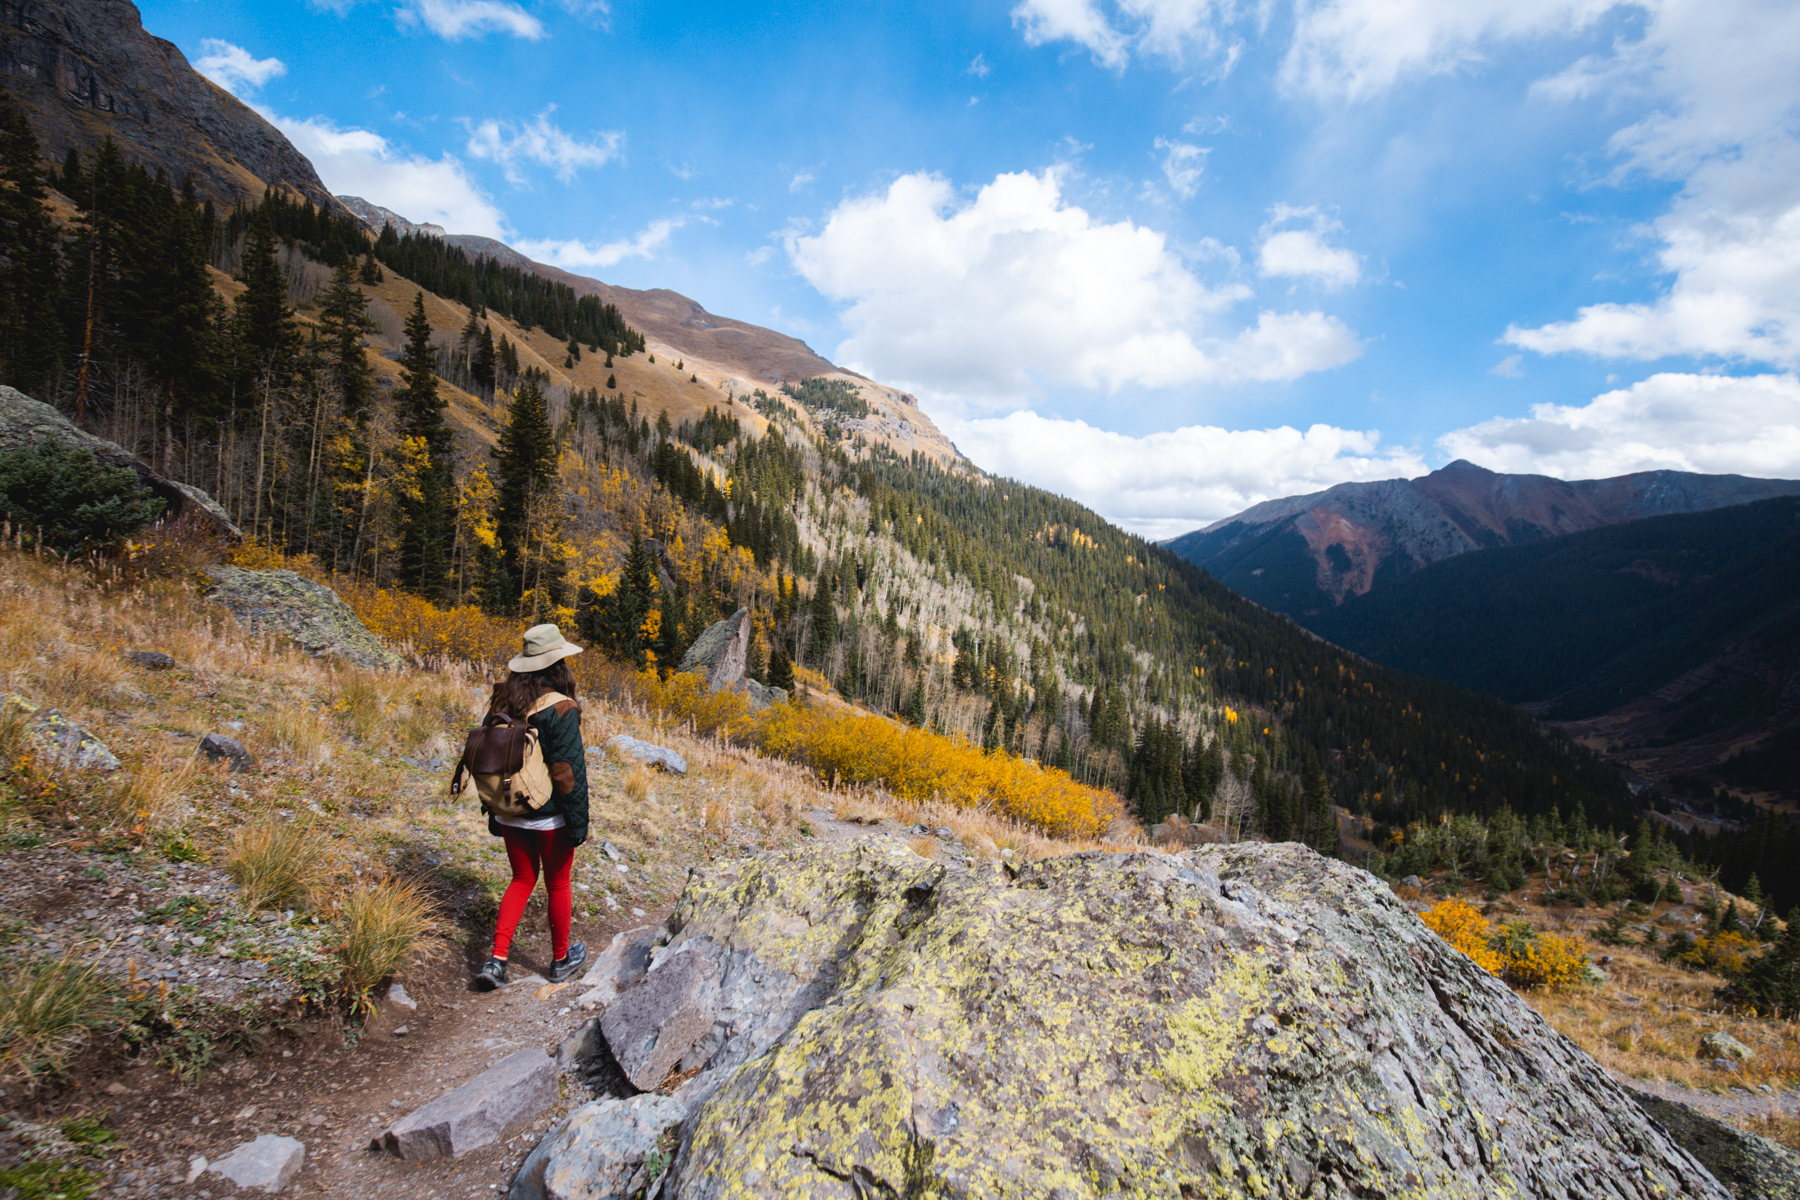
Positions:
{"x": 511, "y": 1092}
{"x": 721, "y": 652}
{"x": 622, "y": 964}
{"x": 648, "y": 753}
{"x": 1230, "y": 1021}
{"x": 26, "y": 422}
{"x": 219, "y": 748}
{"x": 1751, "y": 1166}
{"x": 310, "y": 613}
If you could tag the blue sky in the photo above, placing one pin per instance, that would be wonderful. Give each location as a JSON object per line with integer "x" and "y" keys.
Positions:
{"x": 1171, "y": 257}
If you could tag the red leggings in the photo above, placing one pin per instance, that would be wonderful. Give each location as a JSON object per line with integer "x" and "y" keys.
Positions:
{"x": 529, "y": 850}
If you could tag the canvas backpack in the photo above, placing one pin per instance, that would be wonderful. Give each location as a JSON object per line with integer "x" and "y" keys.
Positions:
{"x": 504, "y": 759}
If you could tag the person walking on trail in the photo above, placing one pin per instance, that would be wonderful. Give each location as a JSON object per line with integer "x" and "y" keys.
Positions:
{"x": 540, "y": 689}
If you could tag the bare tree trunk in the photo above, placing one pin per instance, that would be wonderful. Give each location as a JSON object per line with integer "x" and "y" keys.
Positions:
{"x": 262, "y": 441}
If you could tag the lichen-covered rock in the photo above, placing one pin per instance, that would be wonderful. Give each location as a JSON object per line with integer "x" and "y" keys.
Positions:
{"x": 611, "y": 1149}
{"x": 310, "y": 613}
{"x": 1242, "y": 1020}
{"x": 26, "y": 422}
{"x": 721, "y": 652}
{"x": 1719, "y": 1044}
{"x": 61, "y": 740}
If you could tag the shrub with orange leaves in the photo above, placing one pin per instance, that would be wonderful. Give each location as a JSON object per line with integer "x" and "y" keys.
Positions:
{"x": 1724, "y": 953}
{"x": 1523, "y": 956}
{"x": 1465, "y": 929}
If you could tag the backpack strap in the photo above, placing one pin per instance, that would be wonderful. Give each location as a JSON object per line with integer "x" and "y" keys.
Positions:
{"x": 545, "y": 701}
{"x": 456, "y": 776}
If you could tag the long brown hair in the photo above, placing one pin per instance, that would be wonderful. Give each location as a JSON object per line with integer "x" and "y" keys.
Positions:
{"x": 515, "y": 694}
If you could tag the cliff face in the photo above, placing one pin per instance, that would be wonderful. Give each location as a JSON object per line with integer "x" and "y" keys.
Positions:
{"x": 86, "y": 69}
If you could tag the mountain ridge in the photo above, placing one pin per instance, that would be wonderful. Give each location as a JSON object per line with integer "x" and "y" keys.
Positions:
{"x": 1308, "y": 554}
{"x": 84, "y": 72}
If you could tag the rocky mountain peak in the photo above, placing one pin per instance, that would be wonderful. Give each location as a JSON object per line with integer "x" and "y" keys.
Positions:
{"x": 84, "y": 70}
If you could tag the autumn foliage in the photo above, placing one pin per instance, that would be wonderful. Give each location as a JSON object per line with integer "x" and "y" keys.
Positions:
{"x": 1525, "y": 958}
{"x": 840, "y": 744}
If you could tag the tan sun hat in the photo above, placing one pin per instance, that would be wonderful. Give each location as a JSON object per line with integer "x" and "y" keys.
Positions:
{"x": 544, "y": 645}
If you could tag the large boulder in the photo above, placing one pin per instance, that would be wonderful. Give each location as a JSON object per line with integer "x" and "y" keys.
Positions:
{"x": 721, "y": 652}
{"x": 849, "y": 1019}
{"x": 25, "y": 422}
{"x": 310, "y": 613}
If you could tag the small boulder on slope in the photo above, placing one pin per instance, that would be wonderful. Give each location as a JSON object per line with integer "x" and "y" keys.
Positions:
{"x": 1233, "y": 1020}
{"x": 511, "y": 1092}
{"x": 310, "y": 613}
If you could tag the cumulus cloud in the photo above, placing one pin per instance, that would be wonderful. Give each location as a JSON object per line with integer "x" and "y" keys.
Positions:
{"x": 458, "y": 19}
{"x": 1164, "y": 484}
{"x": 540, "y": 141}
{"x": 1182, "y": 165}
{"x": 1303, "y": 253}
{"x": 1714, "y": 424}
{"x": 574, "y": 254}
{"x": 983, "y": 299}
{"x": 359, "y": 162}
{"x": 234, "y": 68}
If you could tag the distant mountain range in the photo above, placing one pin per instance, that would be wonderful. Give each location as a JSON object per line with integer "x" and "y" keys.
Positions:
{"x": 1304, "y": 555}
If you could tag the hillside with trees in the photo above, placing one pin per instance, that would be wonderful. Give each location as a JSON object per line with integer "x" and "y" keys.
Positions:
{"x": 508, "y": 446}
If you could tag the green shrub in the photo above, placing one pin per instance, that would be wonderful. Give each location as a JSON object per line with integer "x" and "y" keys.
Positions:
{"x": 77, "y": 502}
{"x": 47, "y": 1007}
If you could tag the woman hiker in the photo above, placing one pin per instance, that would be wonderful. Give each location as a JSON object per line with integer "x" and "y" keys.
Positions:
{"x": 543, "y": 843}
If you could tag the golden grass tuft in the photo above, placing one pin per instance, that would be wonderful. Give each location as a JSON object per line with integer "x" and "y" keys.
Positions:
{"x": 301, "y": 733}
{"x": 47, "y": 1007}
{"x": 637, "y": 784}
{"x": 715, "y": 813}
{"x": 925, "y": 846}
{"x": 277, "y": 864}
{"x": 385, "y": 925}
{"x": 149, "y": 793}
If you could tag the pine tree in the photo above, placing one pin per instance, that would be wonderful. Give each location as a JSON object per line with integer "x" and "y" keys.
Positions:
{"x": 525, "y": 462}
{"x": 629, "y": 606}
{"x": 781, "y": 670}
{"x": 824, "y": 617}
{"x": 29, "y": 337}
{"x": 427, "y": 514}
{"x": 344, "y": 322}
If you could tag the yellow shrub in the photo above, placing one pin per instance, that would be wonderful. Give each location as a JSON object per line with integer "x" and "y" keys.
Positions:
{"x": 1526, "y": 958}
{"x": 1725, "y": 953}
{"x": 1457, "y": 922}
{"x": 1549, "y": 961}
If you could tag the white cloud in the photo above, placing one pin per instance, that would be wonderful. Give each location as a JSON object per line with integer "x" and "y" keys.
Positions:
{"x": 1164, "y": 484}
{"x": 983, "y": 299}
{"x": 1174, "y": 29}
{"x": 573, "y": 254}
{"x": 234, "y": 68}
{"x": 800, "y": 180}
{"x": 978, "y": 67}
{"x": 458, "y": 19}
{"x": 1182, "y": 165}
{"x": 1714, "y": 424}
{"x": 540, "y": 141}
{"x": 1352, "y": 49}
{"x": 1303, "y": 253}
{"x": 358, "y": 162}
{"x": 1725, "y": 82}
{"x": 1510, "y": 367}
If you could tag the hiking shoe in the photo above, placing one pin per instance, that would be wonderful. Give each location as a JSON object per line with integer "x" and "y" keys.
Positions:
{"x": 492, "y": 975}
{"x": 569, "y": 963}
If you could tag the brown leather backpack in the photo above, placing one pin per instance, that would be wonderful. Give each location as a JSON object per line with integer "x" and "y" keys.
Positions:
{"x": 503, "y": 757}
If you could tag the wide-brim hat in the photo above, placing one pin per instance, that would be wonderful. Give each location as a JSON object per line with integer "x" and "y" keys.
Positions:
{"x": 544, "y": 645}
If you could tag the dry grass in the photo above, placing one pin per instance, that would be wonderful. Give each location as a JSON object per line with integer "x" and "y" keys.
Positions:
{"x": 715, "y": 814}
{"x": 151, "y": 792}
{"x": 300, "y": 732}
{"x": 47, "y": 1007}
{"x": 277, "y": 864}
{"x": 924, "y": 847}
{"x": 385, "y": 925}
{"x": 637, "y": 785}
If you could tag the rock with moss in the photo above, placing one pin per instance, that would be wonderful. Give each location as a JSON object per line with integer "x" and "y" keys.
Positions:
{"x": 311, "y": 613}
{"x": 1247, "y": 1020}
{"x": 719, "y": 653}
{"x": 61, "y": 740}
{"x": 25, "y": 422}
